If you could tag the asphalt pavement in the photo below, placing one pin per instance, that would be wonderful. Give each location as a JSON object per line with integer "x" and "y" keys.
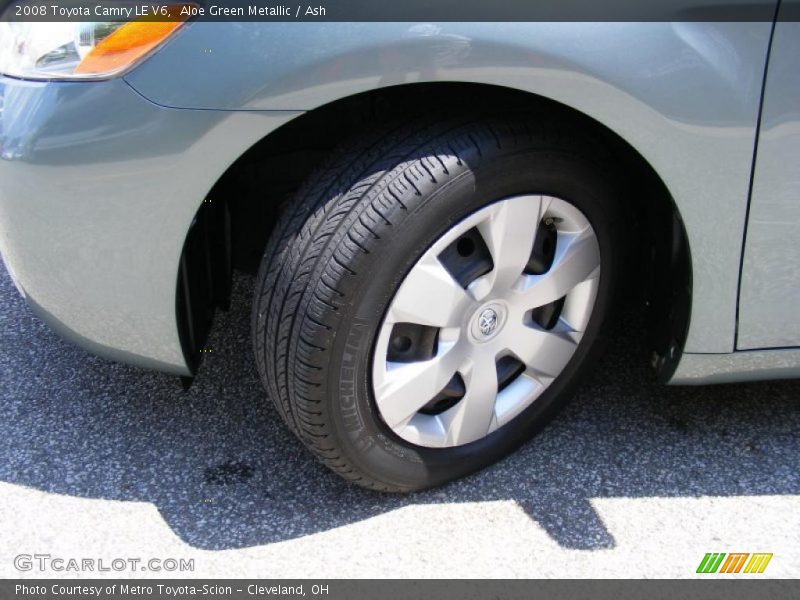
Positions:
{"x": 101, "y": 460}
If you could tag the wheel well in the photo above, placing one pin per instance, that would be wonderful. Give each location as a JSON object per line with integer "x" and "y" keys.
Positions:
{"x": 234, "y": 222}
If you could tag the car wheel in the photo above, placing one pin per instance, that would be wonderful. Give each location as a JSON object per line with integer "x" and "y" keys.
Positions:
{"x": 434, "y": 293}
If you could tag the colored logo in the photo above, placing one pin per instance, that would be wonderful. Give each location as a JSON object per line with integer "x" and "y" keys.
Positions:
{"x": 737, "y": 562}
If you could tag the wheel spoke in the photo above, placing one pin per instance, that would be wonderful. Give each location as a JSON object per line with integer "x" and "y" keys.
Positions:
{"x": 407, "y": 387}
{"x": 509, "y": 233}
{"x": 546, "y": 352}
{"x": 429, "y": 296}
{"x": 472, "y": 417}
{"x": 577, "y": 259}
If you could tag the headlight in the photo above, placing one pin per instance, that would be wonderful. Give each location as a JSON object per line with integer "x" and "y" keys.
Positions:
{"x": 34, "y": 50}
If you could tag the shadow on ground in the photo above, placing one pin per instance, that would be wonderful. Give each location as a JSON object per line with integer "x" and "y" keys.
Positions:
{"x": 225, "y": 473}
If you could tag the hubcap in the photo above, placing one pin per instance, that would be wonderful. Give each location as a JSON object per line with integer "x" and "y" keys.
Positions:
{"x": 485, "y": 320}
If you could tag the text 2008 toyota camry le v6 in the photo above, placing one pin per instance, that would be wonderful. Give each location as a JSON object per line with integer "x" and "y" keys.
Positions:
{"x": 443, "y": 216}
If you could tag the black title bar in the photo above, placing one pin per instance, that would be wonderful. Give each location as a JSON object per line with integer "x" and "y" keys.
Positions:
{"x": 364, "y": 589}
{"x": 402, "y": 10}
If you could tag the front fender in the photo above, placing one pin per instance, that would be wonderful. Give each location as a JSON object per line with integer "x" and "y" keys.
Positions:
{"x": 685, "y": 95}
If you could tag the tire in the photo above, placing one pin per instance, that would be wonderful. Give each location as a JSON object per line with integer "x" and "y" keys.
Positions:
{"x": 342, "y": 250}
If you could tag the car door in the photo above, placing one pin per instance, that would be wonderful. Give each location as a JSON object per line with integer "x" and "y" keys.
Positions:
{"x": 769, "y": 300}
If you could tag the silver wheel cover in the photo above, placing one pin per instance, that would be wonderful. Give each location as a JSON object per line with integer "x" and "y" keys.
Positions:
{"x": 487, "y": 321}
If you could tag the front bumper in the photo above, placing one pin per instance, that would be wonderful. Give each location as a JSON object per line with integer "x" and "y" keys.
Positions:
{"x": 98, "y": 188}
